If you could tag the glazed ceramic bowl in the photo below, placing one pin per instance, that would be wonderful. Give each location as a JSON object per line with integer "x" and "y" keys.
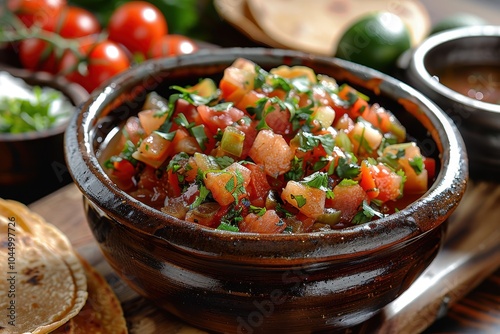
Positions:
{"x": 32, "y": 164}
{"x": 478, "y": 121}
{"x": 237, "y": 282}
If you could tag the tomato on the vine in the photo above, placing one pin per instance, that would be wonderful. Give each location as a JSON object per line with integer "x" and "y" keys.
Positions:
{"x": 73, "y": 22}
{"x": 39, "y": 12}
{"x": 103, "y": 60}
{"x": 172, "y": 45}
{"x": 136, "y": 25}
{"x": 37, "y": 55}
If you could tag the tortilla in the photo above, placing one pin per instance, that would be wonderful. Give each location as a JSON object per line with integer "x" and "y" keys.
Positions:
{"x": 44, "y": 288}
{"x": 35, "y": 225}
{"x": 316, "y": 26}
{"x": 102, "y": 313}
{"x": 96, "y": 310}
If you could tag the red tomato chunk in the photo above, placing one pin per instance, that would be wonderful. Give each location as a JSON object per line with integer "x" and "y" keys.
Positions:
{"x": 279, "y": 151}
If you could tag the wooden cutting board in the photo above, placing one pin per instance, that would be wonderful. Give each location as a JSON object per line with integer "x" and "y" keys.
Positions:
{"x": 470, "y": 254}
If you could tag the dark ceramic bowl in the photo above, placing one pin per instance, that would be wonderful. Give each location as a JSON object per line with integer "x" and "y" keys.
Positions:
{"x": 32, "y": 164}
{"x": 478, "y": 121}
{"x": 230, "y": 282}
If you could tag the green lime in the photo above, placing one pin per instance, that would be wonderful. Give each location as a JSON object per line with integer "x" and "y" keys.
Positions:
{"x": 376, "y": 40}
{"x": 457, "y": 20}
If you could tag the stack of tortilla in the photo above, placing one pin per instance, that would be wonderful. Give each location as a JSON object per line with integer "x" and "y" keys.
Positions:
{"x": 46, "y": 286}
{"x": 314, "y": 26}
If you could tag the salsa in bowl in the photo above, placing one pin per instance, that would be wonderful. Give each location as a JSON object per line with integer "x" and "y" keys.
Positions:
{"x": 278, "y": 151}
{"x": 329, "y": 276}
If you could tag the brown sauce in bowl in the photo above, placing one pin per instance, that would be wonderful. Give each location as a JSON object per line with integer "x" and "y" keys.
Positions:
{"x": 480, "y": 82}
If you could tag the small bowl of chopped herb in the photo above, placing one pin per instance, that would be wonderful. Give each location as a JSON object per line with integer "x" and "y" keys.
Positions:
{"x": 34, "y": 112}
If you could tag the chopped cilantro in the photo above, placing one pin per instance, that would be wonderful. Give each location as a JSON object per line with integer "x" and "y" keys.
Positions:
{"x": 417, "y": 163}
{"x": 307, "y": 141}
{"x": 177, "y": 161}
{"x": 223, "y": 161}
{"x": 204, "y": 192}
{"x": 19, "y": 115}
{"x": 233, "y": 215}
{"x": 182, "y": 121}
{"x": 223, "y": 106}
{"x": 346, "y": 169}
{"x": 366, "y": 214}
{"x": 391, "y": 159}
{"x": 295, "y": 173}
{"x": 235, "y": 185}
{"x": 228, "y": 227}
{"x": 301, "y": 200}
{"x": 198, "y": 132}
{"x": 318, "y": 180}
{"x": 167, "y": 136}
{"x": 194, "y": 98}
{"x": 403, "y": 180}
{"x": 257, "y": 210}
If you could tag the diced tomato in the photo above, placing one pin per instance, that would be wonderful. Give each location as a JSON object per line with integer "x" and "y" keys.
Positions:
{"x": 219, "y": 119}
{"x": 347, "y": 198}
{"x": 183, "y": 142}
{"x": 308, "y": 200}
{"x": 249, "y": 100}
{"x": 268, "y": 223}
{"x": 259, "y": 186}
{"x": 430, "y": 167}
{"x": 238, "y": 80}
{"x": 382, "y": 119}
{"x": 151, "y": 120}
{"x": 228, "y": 184}
{"x": 271, "y": 151}
{"x": 156, "y": 148}
{"x": 389, "y": 183}
{"x": 416, "y": 183}
{"x": 123, "y": 173}
{"x": 367, "y": 182}
{"x": 279, "y": 121}
{"x": 187, "y": 109}
{"x": 133, "y": 130}
{"x": 250, "y": 131}
{"x": 295, "y": 72}
{"x": 173, "y": 181}
{"x": 358, "y": 105}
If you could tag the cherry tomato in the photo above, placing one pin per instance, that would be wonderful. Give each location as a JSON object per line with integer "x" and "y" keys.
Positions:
{"x": 172, "y": 45}
{"x": 103, "y": 60}
{"x": 76, "y": 22}
{"x": 136, "y": 25}
{"x": 40, "y": 12}
{"x": 37, "y": 55}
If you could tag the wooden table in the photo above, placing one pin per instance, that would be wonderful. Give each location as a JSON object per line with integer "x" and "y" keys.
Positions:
{"x": 471, "y": 255}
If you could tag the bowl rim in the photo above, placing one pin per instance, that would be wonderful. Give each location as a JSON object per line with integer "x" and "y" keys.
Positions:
{"x": 75, "y": 93}
{"x": 110, "y": 200}
{"x": 439, "y": 39}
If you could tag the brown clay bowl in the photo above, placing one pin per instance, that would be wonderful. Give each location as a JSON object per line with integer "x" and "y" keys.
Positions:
{"x": 230, "y": 282}
{"x": 32, "y": 164}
